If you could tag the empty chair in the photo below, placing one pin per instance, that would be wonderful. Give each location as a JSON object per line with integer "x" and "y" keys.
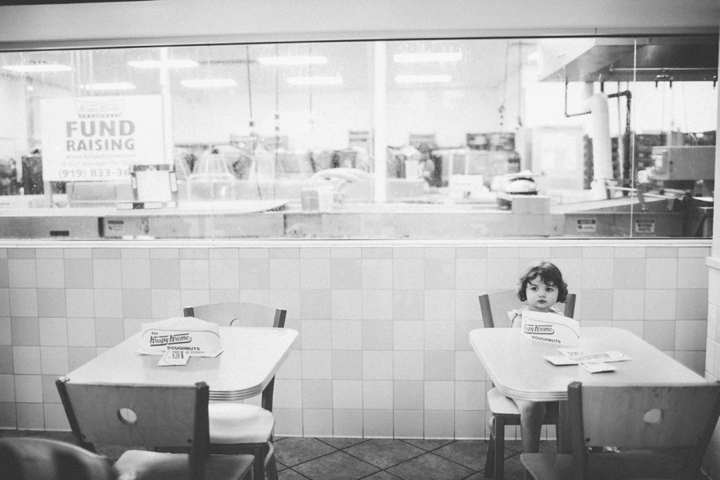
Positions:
{"x": 241, "y": 427}
{"x": 150, "y": 416}
{"x": 42, "y": 459}
{"x": 494, "y": 308}
{"x": 662, "y": 432}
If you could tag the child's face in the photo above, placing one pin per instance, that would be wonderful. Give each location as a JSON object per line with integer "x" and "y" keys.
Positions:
{"x": 540, "y": 296}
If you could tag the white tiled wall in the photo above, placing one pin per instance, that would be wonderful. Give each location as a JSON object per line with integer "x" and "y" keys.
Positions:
{"x": 712, "y": 358}
{"x": 384, "y": 326}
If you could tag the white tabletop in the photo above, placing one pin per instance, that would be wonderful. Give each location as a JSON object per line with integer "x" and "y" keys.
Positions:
{"x": 250, "y": 359}
{"x": 517, "y": 367}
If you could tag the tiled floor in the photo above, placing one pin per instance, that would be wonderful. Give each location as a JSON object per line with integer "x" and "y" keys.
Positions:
{"x": 371, "y": 459}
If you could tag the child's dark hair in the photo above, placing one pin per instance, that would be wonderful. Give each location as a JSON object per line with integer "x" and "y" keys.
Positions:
{"x": 549, "y": 274}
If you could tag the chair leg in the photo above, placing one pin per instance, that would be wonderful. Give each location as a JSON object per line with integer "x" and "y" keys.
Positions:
{"x": 271, "y": 470}
{"x": 499, "y": 448}
{"x": 490, "y": 456}
{"x": 259, "y": 464}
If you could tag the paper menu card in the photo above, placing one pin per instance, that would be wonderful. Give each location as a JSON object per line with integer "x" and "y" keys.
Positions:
{"x": 581, "y": 357}
{"x": 190, "y": 335}
{"x": 550, "y": 328}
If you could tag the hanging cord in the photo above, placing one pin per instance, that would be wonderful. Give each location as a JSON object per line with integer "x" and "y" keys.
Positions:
{"x": 277, "y": 118}
{"x": 519, "y": 75}
{"x": 251, "y": 122}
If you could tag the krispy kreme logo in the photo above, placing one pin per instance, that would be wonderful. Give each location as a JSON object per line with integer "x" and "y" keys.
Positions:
{"x": 171, "y": 339}
{"x": 538, "y": 329}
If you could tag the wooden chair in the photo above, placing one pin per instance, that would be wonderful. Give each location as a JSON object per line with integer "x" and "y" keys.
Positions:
{"x": 494, "y": 308}
{"x": 662, "y": 432}
{"x": 241, "y": 427}
{"x": 30, "y": 458}
{"x": 150, "y": 416}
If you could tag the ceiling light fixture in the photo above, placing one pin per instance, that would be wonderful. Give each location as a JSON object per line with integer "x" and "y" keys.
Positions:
{"x": 177, "y": 63}
{"x": 315, "y": 80}
{"x": 423, "y": 78}
{"x": 427, "y": 57}
{"x": 38, "y": 67}
{"x": 295, "y": 60}
{"x": 209, "y": 83}
{"x": 108, "y": 86}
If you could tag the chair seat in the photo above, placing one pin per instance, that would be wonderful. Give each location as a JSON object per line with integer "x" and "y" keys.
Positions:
{"x": 144, "y": 465}
{"x": 232, "y": 423}
{"x": 499, "y": 404}
{"x": 616, "y": 466}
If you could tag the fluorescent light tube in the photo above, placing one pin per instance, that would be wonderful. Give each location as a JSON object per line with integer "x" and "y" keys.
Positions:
{"x": 294, "y": 60}
{"x": 177, "y": 63}
{"x": 38, "y": 67}
{"x": 108, "y": 86}
{"x": 427, "y": 57}
{"x": 209, "y": 83}
{"x": 315, "y": 80}
{"x": 423, "y": 78}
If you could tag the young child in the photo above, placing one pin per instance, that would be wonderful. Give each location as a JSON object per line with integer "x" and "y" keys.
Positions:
{"x": 541, "y": 287}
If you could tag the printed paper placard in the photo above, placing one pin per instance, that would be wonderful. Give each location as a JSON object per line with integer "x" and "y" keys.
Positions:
{"x": 190, "y": 335}
{"x": 550, "y": 328}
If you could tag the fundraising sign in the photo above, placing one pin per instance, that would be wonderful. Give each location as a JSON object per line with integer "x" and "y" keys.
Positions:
{"x": 100, "y": 138}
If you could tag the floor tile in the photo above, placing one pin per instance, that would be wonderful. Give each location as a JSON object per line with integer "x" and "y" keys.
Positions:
{"x": 293, "y": 451}
{"x": 384, "y": 453}
{"x": 336, "y": 466}
{"x": 382, "y": 476}
{"x": 428, "y": 445}
{"x": 290, "y": 474}
{"x": 470, "y": 454}
{"x": 342, "y": 443}
{"x": 430, "y": 467}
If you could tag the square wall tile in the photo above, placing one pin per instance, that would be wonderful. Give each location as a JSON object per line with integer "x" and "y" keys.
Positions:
{"x": 317, "y": 422}
{"x": 108, "y": 303}
{"x": 288, "y": 422}
{"x": 470, "y": 396}
{"x": 347, "y": 394}
{"x": 109, "y": 332}
{"x": 254, "y": 273}
{"x": 317, "y": 334}
{"x": 629, "y": 273}
{"x": 377, "y": 304}
{"x": 136, "y": 273}
{"x": 408, "y": 273}
{"x": 79, "y": 356}
{"x": 53, "y": 332}
{"x": 5, "y": 331}
{"x": 377, "y": 423}
{"x": 471, "y": 252}
{"x": 439, "y": 424}
{"x": 54, "y": 360}
{"x": 408, "y": 304}
{"x": 409, "y": 395}
{"x": 137, "y": 302}
{"x": 470, "y": 273}
{"x": 598, "y": 273}
{"x": 692, "y": 273}
{"x": 224, "y": 273}
{"x": 6, "y": 361}
{"x": 316, "y": 365}
{"x": 439, "y": 395}
{"x": 314, "y": 305}
{"x": 439, "y": 335}
{"x": 346, "y": 304}
{"x": 502, "y": 272}
{"x": 317, "y": 394}
{"x": 408, "y": 423}
{"x": 467, "y": 307}
{"x": 4, "y": 302}
{"x": 690, "y": 335}
{"x": 409, "y": 365}
{"x": 440, "y": 273}
{"x": 22, "y": 273}
{"x": 4, "y": 276}
{"x": 468, "y": 367}
{"x": 660, "y": 304}
{"x": 287, "y": 393}
{"x": 348, "y": 423}
{"x": 284, "y": 274}
{"x": 660, "y": 334}
{"x": 315, "y": 273}
{"x": 107, "y": 273}
{"x": 377, "y": 334}
{"x": 409, "y": 335}
{"x": 596, "y": 304}
{"x": 103, "y": 252}
{"x": 691, "y": 304}
{"x": 469, "y": 426}
{"x": 166, "y": 304}
{"x": 51, "y": 302}
{"x": 377, "y": 252}
{"x": 80, "y": 302}
{"x": 628, "y": 305}
{"x": 28, "y": 388}
{"x": 55, "y": 418}
{"x": 440, "y": 365}
{"x": 377, "y": 395}
{"x": 377, "y": 365}
{"x": 7, "y": 389}
{"x": 30, "y": 416}
{"x": 81, "y": 332}
{"x": 25, "y": 331}
{"x": 165, "y": 273}
{"x": 440, "y": 305}
{"x": 194, "y": 274}
{"x": 346, "y": 273}
{"x": 78, "y": 273}
{"x": 347, "y": 335}
{"x": 23, "y": 302}
{"x": 661, "y": 273}
{"x": 345, "y": 252}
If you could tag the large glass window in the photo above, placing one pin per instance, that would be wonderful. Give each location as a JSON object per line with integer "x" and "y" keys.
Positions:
{"x": 548, "y": 137}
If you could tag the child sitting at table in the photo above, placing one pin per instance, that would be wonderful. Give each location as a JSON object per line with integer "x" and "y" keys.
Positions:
{"x": 541, "y": 287}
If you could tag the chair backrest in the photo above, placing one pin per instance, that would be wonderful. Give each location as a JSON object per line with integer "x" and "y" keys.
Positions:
{"x": 30, "y": 458}
{"x": 140, "y": 415}
{"x": 241, "y": 314}
{"x": 636, "y": 417}
{"x": 494, "y": 307}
